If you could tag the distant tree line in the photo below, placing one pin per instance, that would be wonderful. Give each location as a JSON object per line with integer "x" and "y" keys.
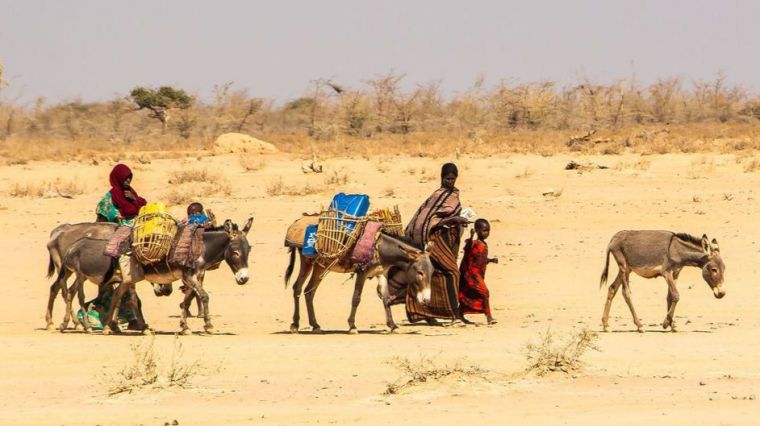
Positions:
{"x": 380, "y": 106}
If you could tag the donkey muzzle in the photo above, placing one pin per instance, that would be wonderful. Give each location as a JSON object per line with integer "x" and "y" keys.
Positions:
{"x": 424, "y": 296}
{"x": 718, "y": 292}
{"x": 241, "y": 276}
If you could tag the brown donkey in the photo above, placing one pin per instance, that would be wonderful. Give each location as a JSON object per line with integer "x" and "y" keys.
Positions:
{"x": 652, "y": 254}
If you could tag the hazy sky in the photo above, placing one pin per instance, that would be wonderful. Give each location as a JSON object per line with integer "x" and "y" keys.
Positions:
{"x": 96, "y": 49}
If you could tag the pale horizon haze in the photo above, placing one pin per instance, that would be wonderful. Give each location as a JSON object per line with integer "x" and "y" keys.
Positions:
{"x": 95, "y": 50}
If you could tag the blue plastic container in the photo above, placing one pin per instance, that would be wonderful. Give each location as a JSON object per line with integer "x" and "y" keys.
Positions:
{"x": 352, "y": 204}
{"x": 310, "y": 241}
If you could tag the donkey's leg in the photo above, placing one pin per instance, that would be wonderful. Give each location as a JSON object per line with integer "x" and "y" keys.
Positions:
{"x": 139, "y": 323}
{"x": 110, "y": 325}
{"x": 75, "y": 289}
{"x": 191, "y": 277}
{"x": 304, "y": 270}
{"x": 383, "y": 292}
{"x": 361, "y": 277}
{"x": 311, "y": 289}
{"x": 198, "y": 301}
{"x": 54, "y": 289}
{"x": 627, "y": 296}
{"x": 673, "y": 298}
{"x": 611, "y": 295}
{"x": 184, "y": 312}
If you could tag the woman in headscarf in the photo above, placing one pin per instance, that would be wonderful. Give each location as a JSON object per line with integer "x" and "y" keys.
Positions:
{"x": 121, "y": 204}
{"x": 438, "y": 223}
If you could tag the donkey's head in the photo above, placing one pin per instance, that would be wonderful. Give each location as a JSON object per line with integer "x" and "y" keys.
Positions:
{"x": 713, "y": 269}
{"x": 418, "y": 273}
{"x": 236, "y": 253}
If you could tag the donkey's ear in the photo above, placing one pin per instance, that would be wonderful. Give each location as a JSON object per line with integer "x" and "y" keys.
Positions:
{"x": 414, "y": 255}
{"x": 247, "y": 226}
{"x": 706, "y": 244}
{"x": 714, "y": 245}
{"x": 228, "y": 226}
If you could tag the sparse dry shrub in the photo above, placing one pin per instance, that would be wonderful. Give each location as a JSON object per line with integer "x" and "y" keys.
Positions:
{"x": 525, "y": 174}
{"x": 66, "y": 188}
{"x": 337, "y": 178}
{"x": 389, "y": 192}
{"x": 189, "y": 185}
{"x": 550, "y": 356}
{"x": 752, "y": 165}
{"x": 278, "y": 188}
{"x": 424, "y": 370}
{"x": 148, "y": 371}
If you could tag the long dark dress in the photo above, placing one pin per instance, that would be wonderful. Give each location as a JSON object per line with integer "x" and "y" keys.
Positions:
{"x": 425, "y": 228}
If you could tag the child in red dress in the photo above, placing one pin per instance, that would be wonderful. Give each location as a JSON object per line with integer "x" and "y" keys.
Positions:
{"x": 473, "y": 293}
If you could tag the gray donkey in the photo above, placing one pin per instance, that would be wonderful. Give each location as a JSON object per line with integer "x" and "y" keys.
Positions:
{"x": 652, "y": 254}
{"x": 62, "y": 238}
{"x": 414, "y": 264}
{"x": 229, "y": 244}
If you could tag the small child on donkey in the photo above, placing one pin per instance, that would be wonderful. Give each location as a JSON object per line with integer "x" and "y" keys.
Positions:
{"x": 196, "y": 215}
{"x": 473, "y": 293}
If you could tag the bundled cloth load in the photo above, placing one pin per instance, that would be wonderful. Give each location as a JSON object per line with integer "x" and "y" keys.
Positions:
{"x": 153, "y": 233}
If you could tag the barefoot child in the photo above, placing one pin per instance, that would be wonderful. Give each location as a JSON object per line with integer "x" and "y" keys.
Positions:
{"x": 473, "y": 293}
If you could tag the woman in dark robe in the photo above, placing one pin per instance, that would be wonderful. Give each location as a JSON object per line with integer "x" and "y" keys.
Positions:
{"x": 438, "y": 224}
{"x": 121, "y": 204}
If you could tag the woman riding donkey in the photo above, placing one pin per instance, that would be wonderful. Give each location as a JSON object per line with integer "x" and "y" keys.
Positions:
{"x": 438, "y": 223}
{"x": 120, "y": 204}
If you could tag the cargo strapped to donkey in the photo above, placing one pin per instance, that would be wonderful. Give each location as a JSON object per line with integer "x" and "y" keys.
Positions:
{"x": 339, "y": 226}
{"x": 153, "y": 234}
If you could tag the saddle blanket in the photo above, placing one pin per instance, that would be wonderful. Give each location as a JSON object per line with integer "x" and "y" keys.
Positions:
{"x": 119, "y": 242}
{"x": 188, "y": 246}
{"x": 365, "y": 244}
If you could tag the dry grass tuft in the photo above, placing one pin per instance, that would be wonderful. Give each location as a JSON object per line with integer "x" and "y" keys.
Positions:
{"x": 525, "y": 174}
{"x": 193, "y": 175}
{"x": 337, "y": 178}
{"x": 752, "y": 165}
{"x": 550, "y": 356}
{"x": 278, "y": 188}
{"x": 48, "y": 189}
{"x": 389, "y": 192}
{"x": 195, "y": 184}
{"x": 148, "y": 371}
{"x": 415, "y": 373}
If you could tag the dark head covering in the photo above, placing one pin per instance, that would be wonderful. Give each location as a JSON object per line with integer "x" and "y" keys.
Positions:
{"x": 449, "y": 168}
{"x": 127, "y": 208}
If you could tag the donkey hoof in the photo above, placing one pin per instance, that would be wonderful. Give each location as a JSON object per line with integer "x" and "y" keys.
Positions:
{"x": 392, "y": 329}
{"x": 62, "y": 327}
{"x": 317, "y": 330}
{"x": 209, "y": 329}
{"x": 147, "y": 331}
{"x": 107, "y": 331}
{"x": 353, "y": 330}
{"x": 293, "y": 328}
{"x": 640, "y": 329}
{"x": 78, "y": 326}
{"x": 50, "y": 327}
{"x": 185, "y": 332}
{"x": 200, "y": 315}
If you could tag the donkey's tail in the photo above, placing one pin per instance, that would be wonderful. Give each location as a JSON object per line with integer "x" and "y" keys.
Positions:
{"x": 51, "y": 266}
{"x": 606, "y": 271}
{"x": 291, "y": 266}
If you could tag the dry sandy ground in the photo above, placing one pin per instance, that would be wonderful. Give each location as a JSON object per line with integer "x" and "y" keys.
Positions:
{"x": 551, "y": 252}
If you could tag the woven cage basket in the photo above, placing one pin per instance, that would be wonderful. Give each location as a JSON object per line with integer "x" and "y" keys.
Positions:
{"x": 391, "y": 220}
{"x": 337, "y": 231}
{"x": 152, "y": 236}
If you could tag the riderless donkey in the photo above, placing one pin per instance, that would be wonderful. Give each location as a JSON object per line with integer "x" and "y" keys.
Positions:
{"x": 653, "y": 254}
{"x": 391, "y": 252}
{"x": 229, "y": 244}
{"x": 61, "y": 240}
